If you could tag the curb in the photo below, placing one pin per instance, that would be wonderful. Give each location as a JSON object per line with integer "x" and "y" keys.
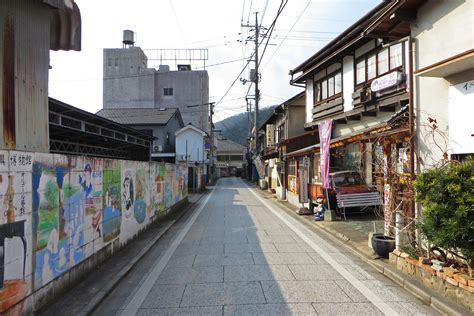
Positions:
{"x": 109, "y": 287}
{"x": 426, "y": 295}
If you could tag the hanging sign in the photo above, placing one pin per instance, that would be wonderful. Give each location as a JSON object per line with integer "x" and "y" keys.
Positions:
{"x": 324, "y": 140}
{"x": 385, "y": 81}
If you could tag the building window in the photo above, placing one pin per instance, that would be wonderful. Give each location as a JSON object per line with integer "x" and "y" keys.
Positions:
{"x": 167, "y": 139}
{"x": 378, "y": 63}
{"x": 116, "y": 62}
{"x": 371, "y": 67}
{"x": 280, "y": 134}
{"x": 338, "y": 83}
{"x": 396, "y": 56}
{"x": 292, "y": 176}
{"x": 168, "y": 91}
{"x": 109, "y": 62}
{"x": 360, "y": 71}
{"x": 328, "y": 87}
{"x": 382, "y": 61}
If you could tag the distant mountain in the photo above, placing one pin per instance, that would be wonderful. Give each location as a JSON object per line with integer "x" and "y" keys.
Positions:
{"x": 236, "y": 127}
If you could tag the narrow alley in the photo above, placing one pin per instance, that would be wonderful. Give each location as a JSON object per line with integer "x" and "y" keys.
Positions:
{"x": 237, "y": 253}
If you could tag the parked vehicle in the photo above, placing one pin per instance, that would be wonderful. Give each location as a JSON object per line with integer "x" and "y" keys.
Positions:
{"x": 346, "y": 182}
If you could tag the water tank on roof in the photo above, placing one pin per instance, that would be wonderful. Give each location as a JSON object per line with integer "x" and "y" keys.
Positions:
{"x": 128, "y": 38}
{"x": 164, "y": 68}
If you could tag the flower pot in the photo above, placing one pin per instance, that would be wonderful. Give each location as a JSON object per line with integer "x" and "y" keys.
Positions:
{"x": 383, "y": 245}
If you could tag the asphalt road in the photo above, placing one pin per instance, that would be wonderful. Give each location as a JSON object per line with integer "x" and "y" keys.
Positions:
{"x": 237, "y": 253}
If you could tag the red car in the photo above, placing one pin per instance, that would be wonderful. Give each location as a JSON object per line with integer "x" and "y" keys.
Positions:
{"x": 346, "y": 182}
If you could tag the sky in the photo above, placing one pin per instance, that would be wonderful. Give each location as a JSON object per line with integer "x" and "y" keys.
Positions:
{"x": 302, "y": 28}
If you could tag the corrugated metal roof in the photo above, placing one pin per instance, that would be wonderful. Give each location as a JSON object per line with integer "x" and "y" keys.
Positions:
{"x": 139, "y": 116}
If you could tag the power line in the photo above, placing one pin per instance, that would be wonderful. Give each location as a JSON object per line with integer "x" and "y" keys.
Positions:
{"x": 302, "y": 12}
{"x": 179, "y": 25}
{"x": 282, "y": 5}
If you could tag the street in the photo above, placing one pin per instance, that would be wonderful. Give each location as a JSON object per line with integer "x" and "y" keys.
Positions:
{"x": 238, "y": 253}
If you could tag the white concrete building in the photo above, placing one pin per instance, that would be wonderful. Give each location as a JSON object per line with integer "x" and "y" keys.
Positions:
{"x": 191, "y": 149}
{"x": 443, "y": 34}
{"x": 128, "y": 82}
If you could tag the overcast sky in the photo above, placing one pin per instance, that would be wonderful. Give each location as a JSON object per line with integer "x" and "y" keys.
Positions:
{"x": 301, "y": 30}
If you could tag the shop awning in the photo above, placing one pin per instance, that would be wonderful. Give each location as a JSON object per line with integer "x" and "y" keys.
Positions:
{"x": 385, "y": 128}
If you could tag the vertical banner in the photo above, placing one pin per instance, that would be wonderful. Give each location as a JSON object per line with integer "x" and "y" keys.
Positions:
{"x": 260, "y": 167}
{"x": 324, "y": 140}
{"x": 386, "y": 209}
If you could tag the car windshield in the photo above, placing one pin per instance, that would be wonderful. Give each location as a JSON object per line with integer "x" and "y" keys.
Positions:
{"x": 347, "y": 179}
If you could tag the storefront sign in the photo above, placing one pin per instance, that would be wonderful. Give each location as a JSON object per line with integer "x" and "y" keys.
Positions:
{"x": 270, "y": 135}
{"x": 303, "y": 185}
{"x": 325, "y": 139}
{"x": 385, "y": 81}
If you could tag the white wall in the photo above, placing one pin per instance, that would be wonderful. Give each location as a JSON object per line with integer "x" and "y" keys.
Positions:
{"x": 442, "y": 30}
{"x": 461, "y": 113}
{"x": 195, "y": 145}
{"x": 309, "y": 101}
{"x": 348, "y": 82}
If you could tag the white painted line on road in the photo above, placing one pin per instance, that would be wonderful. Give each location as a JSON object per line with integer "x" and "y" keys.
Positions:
{"x": 298, "y": 228}
{"x": 142, "y": 292}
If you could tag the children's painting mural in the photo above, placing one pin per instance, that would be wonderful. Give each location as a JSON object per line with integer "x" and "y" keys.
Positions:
{"x": 58, "y": 210}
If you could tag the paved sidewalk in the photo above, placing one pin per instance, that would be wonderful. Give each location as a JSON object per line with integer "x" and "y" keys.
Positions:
{"x": 237, "y": 254}
{"x": 354, "y": 230}
{"x": 86, "y": 295}
{"x": 353, "y": 233}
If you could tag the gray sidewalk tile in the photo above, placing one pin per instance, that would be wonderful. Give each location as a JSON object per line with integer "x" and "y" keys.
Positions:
{"x": 205, "y": 310}
{"x": 181, "y": 260}
{"x": 315, "y": 272}
{"x": 270, "y": 309}
{"x": 164, "y": 295}
{"x": 199, "y": 249}
{"x": 331, "y": 309}
{"x": 223, "y": 259}
{"x": 276, "y": 239}
{"x": 282, "y": 258}
{"x": 283, "y": 247}
{"x": 257, "y": 273}
{"x": 223, "y": 294}
{"x": 253, "y": 247}
{"x": 303, "y": 292}
{"x": 185, "y": 275}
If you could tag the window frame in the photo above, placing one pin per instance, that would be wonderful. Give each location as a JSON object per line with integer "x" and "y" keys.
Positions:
{"x": 318, "y": 97}
{"x": 375, "y": 52}
{"x": 168, "y": 92}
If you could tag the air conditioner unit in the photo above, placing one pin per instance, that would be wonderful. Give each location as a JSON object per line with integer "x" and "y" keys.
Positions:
{"x": 366, "y": 96}
{"x": 157, "y": 148}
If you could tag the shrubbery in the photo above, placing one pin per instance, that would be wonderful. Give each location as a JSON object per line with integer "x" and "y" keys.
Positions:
{"x": 447, "y": 197}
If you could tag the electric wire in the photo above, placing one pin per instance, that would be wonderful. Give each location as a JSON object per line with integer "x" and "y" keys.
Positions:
{"x": 299, "y": 17}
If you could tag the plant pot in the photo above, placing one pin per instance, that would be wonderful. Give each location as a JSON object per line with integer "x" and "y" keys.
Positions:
{"x": 383, "y": 245}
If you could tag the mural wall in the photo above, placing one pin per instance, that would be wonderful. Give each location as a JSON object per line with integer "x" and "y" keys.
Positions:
{"x": 56, "y": 211}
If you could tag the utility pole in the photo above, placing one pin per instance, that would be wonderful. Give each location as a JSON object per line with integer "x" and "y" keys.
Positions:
{"x": 257, "y": 92}
{"x": 255, "y": 78}
{"x": 211, "y": 152}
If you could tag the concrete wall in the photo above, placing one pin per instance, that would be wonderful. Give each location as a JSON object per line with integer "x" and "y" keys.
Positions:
{"x": 195, "y": 145}
{"x": 68, "y": 210}
{"x": 442, "y": 29}
{"x": 189, "y": 88}
{"x": 24, "y": 60}
{"x": 128, "y": 83}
